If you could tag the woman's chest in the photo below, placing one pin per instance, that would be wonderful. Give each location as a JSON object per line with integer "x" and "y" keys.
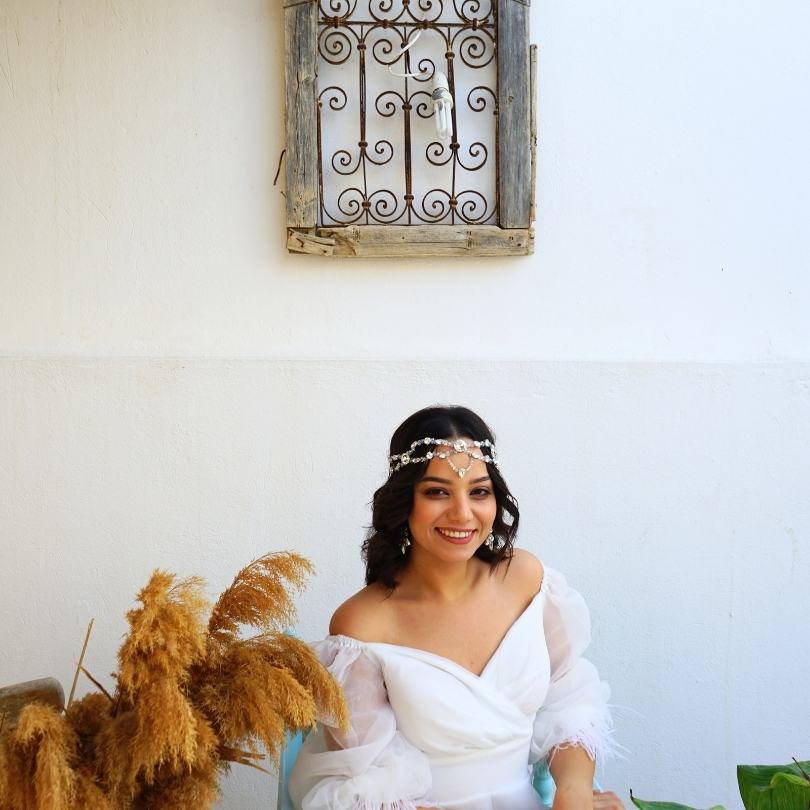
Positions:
{"x": 467, "y": 634}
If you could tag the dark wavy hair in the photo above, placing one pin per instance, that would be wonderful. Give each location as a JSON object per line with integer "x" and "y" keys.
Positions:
{"x": 393, "y": 501}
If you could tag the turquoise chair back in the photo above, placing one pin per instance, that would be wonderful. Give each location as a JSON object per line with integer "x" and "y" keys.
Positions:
{"x": 287, "y": 760}
{"x": 542, "y": 783}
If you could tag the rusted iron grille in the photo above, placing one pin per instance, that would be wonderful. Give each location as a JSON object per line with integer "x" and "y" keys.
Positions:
{"x": 363, "y": 181}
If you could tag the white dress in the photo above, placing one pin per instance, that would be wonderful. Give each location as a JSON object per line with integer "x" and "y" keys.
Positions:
{"x": 426, "y": 732}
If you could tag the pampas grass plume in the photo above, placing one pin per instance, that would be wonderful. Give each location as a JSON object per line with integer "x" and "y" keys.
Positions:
{"x": 38, "y": 758}
{"x": 167, "y": 634}
{"x": 191, "y": 697}
{"x": 259, "y": 597}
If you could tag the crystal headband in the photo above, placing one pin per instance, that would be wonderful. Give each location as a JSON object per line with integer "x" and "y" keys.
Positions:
{"x": 456, "y": 447}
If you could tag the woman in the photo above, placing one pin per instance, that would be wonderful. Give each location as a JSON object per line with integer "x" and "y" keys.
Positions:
{"x": 460, "y": 659}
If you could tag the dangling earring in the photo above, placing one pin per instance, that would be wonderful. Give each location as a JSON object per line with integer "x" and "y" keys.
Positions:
{"x": 406, "y": 540}
{"x": 490, "y": 541}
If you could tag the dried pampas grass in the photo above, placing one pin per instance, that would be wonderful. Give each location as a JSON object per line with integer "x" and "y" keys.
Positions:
{"x": 191, "y": 697}
{"x": 259, "y": 596}
{"x": 38, "y": 761}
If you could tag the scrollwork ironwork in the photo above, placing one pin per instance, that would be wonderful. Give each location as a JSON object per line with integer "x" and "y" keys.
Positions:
{"x": 342, "y": 161}
{"x": 478, "y": 102}
{"x": 334, "y": 46}
{"x": 381, "y": 149}
{"x": 431, "y": 10}
{"x": 474, "y": 150}
{"x": 434, "y": 153}
{"x": 336, "y": 97}
{"x": 339, "y": 9}
{"x": 470, "y": 10}
{"x": 380, "y": 9}
{"x": 353, "y": 39}
{"x": 475, "y": 47}
{"x": 468, "y": 210}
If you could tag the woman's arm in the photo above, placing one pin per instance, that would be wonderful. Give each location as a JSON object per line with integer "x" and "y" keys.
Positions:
{"x": 572, "y": 770}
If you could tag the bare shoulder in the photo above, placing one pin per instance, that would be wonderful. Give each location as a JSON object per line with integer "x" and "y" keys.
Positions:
{"x": 363, "y": 616}
{"x": 524, "y": 573}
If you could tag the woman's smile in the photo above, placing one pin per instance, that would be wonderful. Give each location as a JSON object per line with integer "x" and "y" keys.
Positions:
{"x": 459, "y": 536}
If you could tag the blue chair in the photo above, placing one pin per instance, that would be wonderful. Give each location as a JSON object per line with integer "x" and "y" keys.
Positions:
{"x": 541, "y": 776}
{"x": 287, "y": 760}
{"x": 542, "y": 783}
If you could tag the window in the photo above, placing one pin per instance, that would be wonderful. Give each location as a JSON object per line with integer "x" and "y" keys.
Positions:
{"x": 367, "y": 175}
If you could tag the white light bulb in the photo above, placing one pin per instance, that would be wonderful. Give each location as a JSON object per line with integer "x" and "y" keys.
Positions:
{"x": 442, "y": 104}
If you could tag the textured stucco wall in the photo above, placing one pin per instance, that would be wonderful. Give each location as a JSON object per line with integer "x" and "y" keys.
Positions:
{"x": 176, "y": 391}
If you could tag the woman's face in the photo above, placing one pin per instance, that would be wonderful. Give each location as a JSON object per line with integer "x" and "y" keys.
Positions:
{"x": 452, "y": 516}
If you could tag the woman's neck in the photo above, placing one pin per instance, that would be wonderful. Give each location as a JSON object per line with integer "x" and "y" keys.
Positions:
{"x": 427, "y": 578}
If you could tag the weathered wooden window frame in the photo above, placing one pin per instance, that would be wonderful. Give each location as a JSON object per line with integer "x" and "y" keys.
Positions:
{"x": 517, "y": 141}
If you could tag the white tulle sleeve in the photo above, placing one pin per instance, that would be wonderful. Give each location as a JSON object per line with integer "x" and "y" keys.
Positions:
{"x": 575, "y": 711}
{"x": 372, "y": 767}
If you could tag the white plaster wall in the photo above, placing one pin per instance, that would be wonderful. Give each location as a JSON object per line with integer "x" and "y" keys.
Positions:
{"x": 174, "y": 387}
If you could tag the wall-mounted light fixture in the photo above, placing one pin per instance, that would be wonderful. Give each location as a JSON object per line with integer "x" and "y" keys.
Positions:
{"x": 441, "y": 97}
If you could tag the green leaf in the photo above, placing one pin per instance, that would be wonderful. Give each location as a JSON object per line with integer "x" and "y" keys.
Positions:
{"x": 774, "y": 787}
{"x": 642, "y": 804}
{"x": 789, "y": 777}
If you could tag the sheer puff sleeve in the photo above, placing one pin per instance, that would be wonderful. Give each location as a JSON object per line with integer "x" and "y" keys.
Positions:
{"x": 575, "y": 711}
{"x": 372, "y": 767}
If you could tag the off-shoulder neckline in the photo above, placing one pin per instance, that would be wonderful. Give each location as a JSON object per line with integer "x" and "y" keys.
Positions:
{"x": 354, "y": 643}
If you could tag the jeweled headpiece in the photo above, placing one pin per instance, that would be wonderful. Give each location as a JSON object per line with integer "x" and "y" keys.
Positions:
{"x": 455, "y": 447}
